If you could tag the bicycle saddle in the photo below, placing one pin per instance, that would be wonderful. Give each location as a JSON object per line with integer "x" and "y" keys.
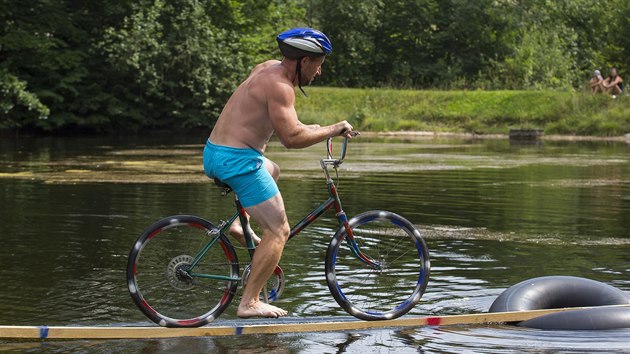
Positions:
{"x": 220, "y": 184}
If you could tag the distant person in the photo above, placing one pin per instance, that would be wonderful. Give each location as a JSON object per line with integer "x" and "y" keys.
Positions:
{"x": 613, "y": 83}
{"x": 596, "y": 82}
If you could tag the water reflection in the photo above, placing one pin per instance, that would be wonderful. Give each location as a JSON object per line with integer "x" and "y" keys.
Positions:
{"x": 493, "y": 214}
{"x": 454, "y": 339}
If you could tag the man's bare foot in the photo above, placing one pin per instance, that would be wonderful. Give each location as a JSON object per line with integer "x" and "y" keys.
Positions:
{"x": 237, "y": 232}
{"x": 259, "y": 309}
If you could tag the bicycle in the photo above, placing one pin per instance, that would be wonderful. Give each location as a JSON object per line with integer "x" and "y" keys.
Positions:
{"x": 181, "y": 263}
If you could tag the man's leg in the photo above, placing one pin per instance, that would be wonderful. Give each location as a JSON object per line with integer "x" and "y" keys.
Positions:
{"x": 273, "y": 169}
{"x": 271, "y": 217}
{"x": 236, "y": 230}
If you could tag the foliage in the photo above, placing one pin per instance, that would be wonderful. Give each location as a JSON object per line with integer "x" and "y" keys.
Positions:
{"x": 41, "y": 51}
{"x": 185, "y": 57}
{"x": 505, "y": 44}
{"x": 123, "y": 65}
{"x": 16, "y": 98}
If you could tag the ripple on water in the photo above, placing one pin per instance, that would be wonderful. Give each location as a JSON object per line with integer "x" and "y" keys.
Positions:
{"x": 492, "y": 216}
{"x": 482, "y": 233}
{"x": 493, "y": 339}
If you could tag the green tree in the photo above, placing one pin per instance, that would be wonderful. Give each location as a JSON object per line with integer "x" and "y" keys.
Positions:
{"x": 529, "y": 44}
{"x": 617, "y": 49}
{"x": 469, "y": 34}
{"x": 351, "y": 26}
{"x": 17, "y": 102}
{"x": 411, "y": 43}
{"x": 40, "y": 62}
{"x": 556, "y": 44}
{"x": 405, "y": 43}
{"x": 49, "y": 76}
{"x": 127, "y": 64}
{"x": 182, "y": 59}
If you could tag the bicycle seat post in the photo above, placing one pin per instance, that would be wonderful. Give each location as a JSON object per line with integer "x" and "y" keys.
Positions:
{"x": 225, "y": 188}
{"x": 249, "y": 241}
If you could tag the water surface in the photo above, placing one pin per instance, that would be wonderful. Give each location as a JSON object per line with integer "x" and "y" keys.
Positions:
{"x": 493, "y": 214}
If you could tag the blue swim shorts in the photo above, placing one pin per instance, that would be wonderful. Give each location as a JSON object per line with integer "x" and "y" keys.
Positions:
{"x": 243, "y": 169}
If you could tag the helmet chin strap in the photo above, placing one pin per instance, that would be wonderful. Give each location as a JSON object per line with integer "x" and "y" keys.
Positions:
{"x": 298, "y": 70}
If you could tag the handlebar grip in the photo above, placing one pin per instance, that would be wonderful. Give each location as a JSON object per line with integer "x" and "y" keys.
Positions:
{"x": 352, "y": 133}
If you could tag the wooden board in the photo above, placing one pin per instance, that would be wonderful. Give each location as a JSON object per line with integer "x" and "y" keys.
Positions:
{"x": 292, "y": 326}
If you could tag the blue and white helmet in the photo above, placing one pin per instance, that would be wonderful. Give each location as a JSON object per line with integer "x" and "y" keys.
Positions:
{"x": 303, "y": 42}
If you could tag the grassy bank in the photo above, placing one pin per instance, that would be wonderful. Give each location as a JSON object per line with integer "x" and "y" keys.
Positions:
{"x": 482, "y": 112}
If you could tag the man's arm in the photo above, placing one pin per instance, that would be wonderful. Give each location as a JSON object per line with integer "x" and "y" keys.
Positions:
{"x": 291, "y": 132}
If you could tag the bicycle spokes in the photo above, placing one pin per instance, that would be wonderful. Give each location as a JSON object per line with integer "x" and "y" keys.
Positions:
{"x": 178, "y": 276}
{"x": 381, "y": 271}
{"x": 274, "y": 286}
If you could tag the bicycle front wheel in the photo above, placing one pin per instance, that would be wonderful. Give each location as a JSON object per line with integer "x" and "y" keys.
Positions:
{"x": 182, "y": 272}
{"x": 381, "y": 270}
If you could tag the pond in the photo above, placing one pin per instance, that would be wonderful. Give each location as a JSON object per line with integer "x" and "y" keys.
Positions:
{"x": 493, "y": 213}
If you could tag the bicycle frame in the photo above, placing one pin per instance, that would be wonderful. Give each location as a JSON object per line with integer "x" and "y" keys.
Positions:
{"x": 332, "y": 201}
{"x": 202, "y": 262}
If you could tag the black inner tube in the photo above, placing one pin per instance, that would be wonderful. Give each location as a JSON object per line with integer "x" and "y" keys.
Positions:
{"x": 587, "y": 319}
{"x": 566, "y": 291}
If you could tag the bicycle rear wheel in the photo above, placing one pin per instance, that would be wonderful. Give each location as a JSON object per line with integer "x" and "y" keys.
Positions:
{"x": 382, "y": 269}
{"x": 166, "y": 286}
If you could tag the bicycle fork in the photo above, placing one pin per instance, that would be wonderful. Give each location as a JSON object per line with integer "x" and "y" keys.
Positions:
{"x": 343, "y": 221}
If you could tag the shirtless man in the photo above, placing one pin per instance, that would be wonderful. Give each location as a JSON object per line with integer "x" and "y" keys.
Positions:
{"x": 262, "y": 105}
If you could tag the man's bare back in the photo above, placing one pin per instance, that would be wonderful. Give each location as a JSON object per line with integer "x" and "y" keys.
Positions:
{"x": 265, "y": 103}
{"x": 244, "y": 121}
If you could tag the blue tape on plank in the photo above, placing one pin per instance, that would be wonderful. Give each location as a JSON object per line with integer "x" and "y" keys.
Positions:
{"x": 239, "y": 330}
{"x": 43, "y": 332}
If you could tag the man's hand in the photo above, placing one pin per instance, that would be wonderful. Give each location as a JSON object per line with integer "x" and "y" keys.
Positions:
{"x": 345, "y": 129}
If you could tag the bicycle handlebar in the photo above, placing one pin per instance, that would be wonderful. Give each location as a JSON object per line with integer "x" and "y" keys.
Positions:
{"x": 344, "y": 148}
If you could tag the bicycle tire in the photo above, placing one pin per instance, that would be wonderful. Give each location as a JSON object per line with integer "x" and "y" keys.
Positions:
{"x": 274, "y": 286}
{"x": 401, "y": 253}
{"x": 158, "y": 269}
